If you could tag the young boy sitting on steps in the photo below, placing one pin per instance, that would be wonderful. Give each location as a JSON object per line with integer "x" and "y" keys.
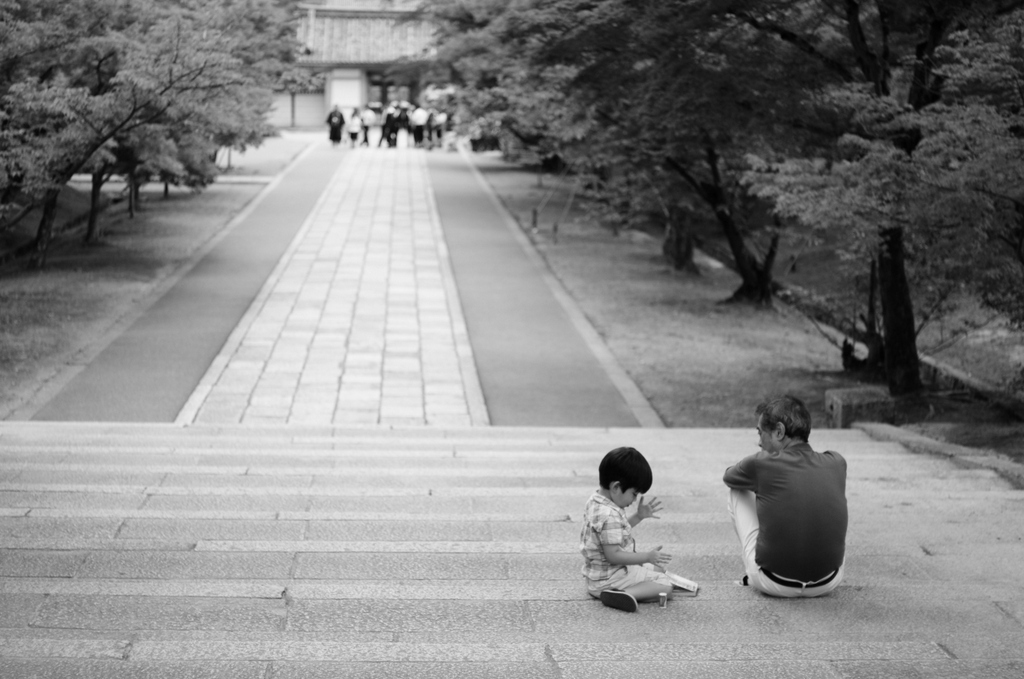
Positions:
{"x": 615, "y": 572}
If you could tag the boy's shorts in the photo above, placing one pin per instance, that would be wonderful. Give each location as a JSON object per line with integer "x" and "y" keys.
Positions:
{"x": 627, "y": 577}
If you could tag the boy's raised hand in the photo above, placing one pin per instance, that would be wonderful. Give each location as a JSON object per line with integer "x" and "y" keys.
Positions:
{"x": 648, "y": 511}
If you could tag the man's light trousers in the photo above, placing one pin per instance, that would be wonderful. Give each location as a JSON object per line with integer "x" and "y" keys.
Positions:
{"x": 743, "y": 510}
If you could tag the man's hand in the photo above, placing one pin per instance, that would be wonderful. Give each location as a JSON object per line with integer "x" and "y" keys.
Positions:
{"x": 658, "y": 557}
{"x": 648, "y": 511}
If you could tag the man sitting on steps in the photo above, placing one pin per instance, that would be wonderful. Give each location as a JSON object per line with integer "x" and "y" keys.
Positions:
{"x": 788, "y": 506}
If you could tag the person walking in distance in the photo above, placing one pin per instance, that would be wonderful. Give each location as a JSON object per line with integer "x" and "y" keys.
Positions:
{"x": 335, "y": 123}
{"x": 388, "y": 131}
{"x": 418, "y": 123}
{"x": 354, "y": 127}
{"x": 368, "y": 119}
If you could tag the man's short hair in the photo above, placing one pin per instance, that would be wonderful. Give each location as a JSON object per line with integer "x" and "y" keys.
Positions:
{"x": 628, "y": 467}
{"x": 790, "y": 411}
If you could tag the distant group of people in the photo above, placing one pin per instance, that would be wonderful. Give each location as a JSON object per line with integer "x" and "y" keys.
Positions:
{"x": 426, "y": 126}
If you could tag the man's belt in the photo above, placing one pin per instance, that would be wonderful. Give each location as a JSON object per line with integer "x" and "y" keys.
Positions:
{"x": 786, "y": 582}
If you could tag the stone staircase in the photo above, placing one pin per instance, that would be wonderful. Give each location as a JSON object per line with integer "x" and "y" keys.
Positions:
{"x": 308, "y": 552}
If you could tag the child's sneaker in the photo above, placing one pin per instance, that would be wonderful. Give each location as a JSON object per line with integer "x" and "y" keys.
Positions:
{"x": 613, "y": 598}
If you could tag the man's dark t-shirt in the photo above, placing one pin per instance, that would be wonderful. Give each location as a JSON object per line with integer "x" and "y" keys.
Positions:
{"x": 801, "y": 507}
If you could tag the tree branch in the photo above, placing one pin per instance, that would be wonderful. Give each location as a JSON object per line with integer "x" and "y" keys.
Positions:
{"x": 800, "y": 42}
{"x": 868, "y": 61}
{"x": 686, "y": 175}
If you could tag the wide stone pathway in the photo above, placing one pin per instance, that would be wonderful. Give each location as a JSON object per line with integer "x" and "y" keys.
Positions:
{"x": 300, "y": 552}
{"x": 360, "y": 323}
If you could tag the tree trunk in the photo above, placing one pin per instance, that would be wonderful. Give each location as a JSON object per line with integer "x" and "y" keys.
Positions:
{"x": 92, "y": 233}
{"x": 925, "y": 86}
{"x": 44, "y": 234}
{"x": 757, "y": 277}
{"x": 874, "y": 342}
{"x": 130, "y": 178}
{"x": 678, "y": 245}
{"x": 714, "y": 193}
{"x": 874, "y": 70}
{"x": 902, "y": 367}
{"x": 874, "y": 363}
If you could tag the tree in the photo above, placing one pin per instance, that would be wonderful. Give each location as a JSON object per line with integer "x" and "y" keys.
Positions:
{"x": 888, "y": 125}
{"x": 981, "y": 171}
{"x": 662, "y": 95}
{"x": 894, "y": 133}
{"x": 84, "y": 73}
{"x": 486, "y": 48}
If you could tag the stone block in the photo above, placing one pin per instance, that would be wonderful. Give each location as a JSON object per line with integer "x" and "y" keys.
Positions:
{"x": 860, "y": 404}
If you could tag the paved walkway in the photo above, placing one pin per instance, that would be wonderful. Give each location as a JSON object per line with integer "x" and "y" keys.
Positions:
{"x": 540, "y": 361}
{"x": 333, "y": 300}
{"x": 360, "y": 322}
{"x": 147, "y": 371}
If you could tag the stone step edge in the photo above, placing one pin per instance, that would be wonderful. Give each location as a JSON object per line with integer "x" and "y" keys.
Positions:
{"x": 443, "y": 469}
{"x": 131, "y": 649}
{"x": 244, "y": 515}
{"x": 580, "y": 490}
{"x": 319, "y": 432}
{"x": 568, "y": 589}
{"x": 15, "y": 452}
{"x": 678, "y": 518}
{"x": 329, "y": 546}
{"x": 330, "y": 447}
{"x": 680, "y": 550}
{"x": 314, "y": 431}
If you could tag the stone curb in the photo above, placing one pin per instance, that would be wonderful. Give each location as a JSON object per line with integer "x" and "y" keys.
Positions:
{"x": 474, "y": 393}
{"x": 940, "y": 373}
{"x": 971, "y": 458}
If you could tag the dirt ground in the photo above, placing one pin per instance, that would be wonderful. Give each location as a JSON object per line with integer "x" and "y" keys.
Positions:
{"x": 704, "y": 363}
{"x": 700, "y": 362}
{"x": 57, "y": 318}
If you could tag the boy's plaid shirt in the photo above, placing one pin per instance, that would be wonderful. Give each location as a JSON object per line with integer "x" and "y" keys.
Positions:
{"x": 603, "y": 524}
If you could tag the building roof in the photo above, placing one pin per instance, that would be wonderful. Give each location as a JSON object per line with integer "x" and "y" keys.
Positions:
{"x": 340, "y": 32}
{"x": 365, "y": 5}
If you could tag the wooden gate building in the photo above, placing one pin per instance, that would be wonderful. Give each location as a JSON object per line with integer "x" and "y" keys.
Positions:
{"x": 352, "y": 43}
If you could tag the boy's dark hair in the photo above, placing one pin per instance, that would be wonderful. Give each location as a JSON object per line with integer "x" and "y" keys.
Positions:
{"x": 790, "y": 411}
{"x": 628, "y": 467}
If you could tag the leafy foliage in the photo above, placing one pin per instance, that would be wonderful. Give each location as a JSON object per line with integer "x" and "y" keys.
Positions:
{"x": 949, "y": 173}
{"x": 623, "y": 86}
{"x": 165, "y": 82}
{"x": 880, "y": 125}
